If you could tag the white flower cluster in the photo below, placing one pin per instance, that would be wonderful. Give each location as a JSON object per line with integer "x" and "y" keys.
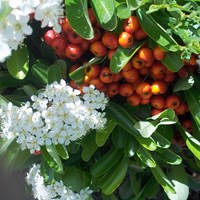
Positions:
{"x": 58, "y": 115}
{"x": 14, "y": 25}
{"x": 55, "y": 191}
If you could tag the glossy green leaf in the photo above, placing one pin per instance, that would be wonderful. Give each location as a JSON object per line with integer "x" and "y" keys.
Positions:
{"x": 9, "y": 81}
{"x": 40, "y": 71}
{"x": 29, "y": 89}
{"x": 155, "y": 30}
{"x": 18, "y": 63}
{"x": 160, "y": 140}
{"x": 149, "y": 190}
{"x": 54, "y": 74}
{"x": 88, "y": 150}
{"x": 122, "y": 56}
{"x": 178, "y": 177}
{"x": 76, "y": 178}
{"x": 52, "y": 158}
{"x": 79, "y": 73}
{"x": 184, "y": 83}
{"x": 119, "y": 137}
{"x": 193, "y": 100}
{"x": 145, "y": 157}
{"x": 114, "y": 177}
{"x": 131, "y": 146}
{"x": 123, "y": 11}
{"x": 147, "y": 128}
{"x": 173, "y": 61}
{"x": 192, "y": 143}
{"x": 77, "y": 14}
{"x": 147, "y": 143}
{"x": 193, "y": 183}
{"x": 62, "y": 151}
{"x": 122, "y": 117}
{"x": 105, "y": 13}
{"x": 135, "y": 4}
{"x": 170, "y": 157}
{"x": 4, "y": 144}
{"x": 163, "y": 179}
{"x": 103, "y": 134}
{"x": 109, "y": 197}
{"x": 106, "y": 162}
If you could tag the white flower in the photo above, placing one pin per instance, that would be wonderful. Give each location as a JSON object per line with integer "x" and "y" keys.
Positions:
{"x": 56, "y": 190}
{"x": 19, "y": 25}
{"x": 49, "y": 13}
{"x": 58, "y": 115}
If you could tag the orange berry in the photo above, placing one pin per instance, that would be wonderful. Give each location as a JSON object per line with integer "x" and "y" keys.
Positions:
{"x": 158, "y": 87}
{"x": 134, "y": 99}
{"x": 126, "y": 89}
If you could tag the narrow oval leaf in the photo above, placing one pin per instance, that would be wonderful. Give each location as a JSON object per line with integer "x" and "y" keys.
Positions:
{"x": 103, "y": 134}
{"x": 52, "y": 159}
{"x": 54, "y": 74}
{"x": 105, "y": 13}
{"x": 40, "y": 71}
{"x": 62, "y": 151}
{"x": 88, "y": 150}
{"x": 145, "y": 157}
{"x": 179, "y": 178}
{"x": 114, "y": 177}
{"x": 106, "y": 162}
{"x": 131, "y": 146}
{"x": 170, "y": 157}
{"x": 18, "y": 62}
{"x": 183, "y": 83}
{"x": 193, "y": 98}
{"x": 155, "y": 30}
{"x": 192, "y": 143}
{"x": 163, "y": 180}
{"x": 160, "y": 140}
{"x": 119, "y": 137}
{"x": 173, "y": 61}
{"x": 77, "y": 14}
{"x": 122, "y": 56}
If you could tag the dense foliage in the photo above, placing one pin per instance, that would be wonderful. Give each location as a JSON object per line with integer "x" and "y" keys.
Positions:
{"x": 102, "y": 97}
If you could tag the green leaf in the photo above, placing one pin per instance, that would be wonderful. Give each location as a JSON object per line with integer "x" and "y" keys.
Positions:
{"x": 147, "y": 128}
{"x": 131, "y": 146}
{"x": 155, "y": 30}
{"x": 40, "y": 71}
{"x": 170, "y": 157}
{"x": 88, "y": 150}
{"x": 135, "y": 4}
{"x": 29, "y": 89}
{"x": 119, "y": 137}
{"x": 4, "y": 144}
{"x": 77, "y": 14}
{"x": 178, "y": 177}
{"x": 173, "y": 61}
{"x": 105, "y": 13}
{"x": 160, "y": 140}
{"x": 123, "y": 11}
{"x": 192, "y": 143}
{"x": 103, "y": 134}
{"x": 52, "y": 158}
{"x": 18, "y": 62}
{"x": 163, "y": 180}
{"x": 122, "y": 56}
{"x": 62, "y": 151}
{"x": 122, "y": 117}
{"x": 114, "y": 177}
{"x": 8, "y": 81}
{"x": 79, "y": 73}
{"x": 145, "y": 157}
{"x": 183, "y": 83}
{"x": 193, "y": 100}
{"x": 106, "y": 162}
{"x": 193, "y": 183}
{"x": 54, "y": 74}
{"x": 76, "y": 178}
{"x": 149, "y": 190}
